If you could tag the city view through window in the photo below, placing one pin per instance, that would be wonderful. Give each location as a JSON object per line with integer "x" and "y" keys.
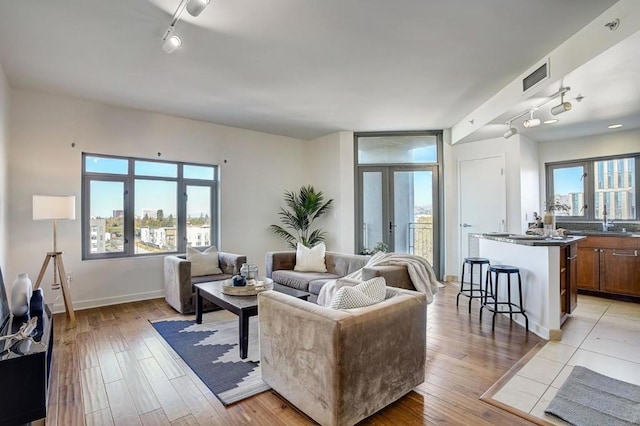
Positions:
{"x": 614, "y": 185}
{"x": 155, "y": 221}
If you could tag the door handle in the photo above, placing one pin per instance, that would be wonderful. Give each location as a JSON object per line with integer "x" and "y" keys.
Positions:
{"x": 572, "y": 257}
{"x": 635, "y": 254}
{"x": 466, "y": 225}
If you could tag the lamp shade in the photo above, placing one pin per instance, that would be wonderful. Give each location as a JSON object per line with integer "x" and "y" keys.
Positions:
{"x": 47, "y": 207}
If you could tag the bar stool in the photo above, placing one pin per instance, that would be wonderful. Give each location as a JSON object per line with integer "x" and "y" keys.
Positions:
{"x": 470, "y": 292}
{"x": 493, "y": 306}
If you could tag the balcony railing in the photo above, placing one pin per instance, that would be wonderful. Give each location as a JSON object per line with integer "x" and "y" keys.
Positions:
{"x": 420, "y": 240}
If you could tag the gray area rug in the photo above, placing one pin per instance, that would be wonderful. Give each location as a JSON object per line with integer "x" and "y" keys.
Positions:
{"x": 589, "y": 398}
{"x": 211, "y": 351}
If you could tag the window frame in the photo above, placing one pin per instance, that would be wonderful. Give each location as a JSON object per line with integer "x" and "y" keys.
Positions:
{"x": 591, "y": 183}
{"x": 128, "y": 181}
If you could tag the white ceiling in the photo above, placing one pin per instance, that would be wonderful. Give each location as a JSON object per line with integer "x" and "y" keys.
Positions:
{"x": 604, "y": 91}
{"x": 301, "y": 68}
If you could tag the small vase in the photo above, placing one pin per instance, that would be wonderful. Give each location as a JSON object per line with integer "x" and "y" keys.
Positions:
{"x": 21, "y": 292}
{"x": 549, "y": 223}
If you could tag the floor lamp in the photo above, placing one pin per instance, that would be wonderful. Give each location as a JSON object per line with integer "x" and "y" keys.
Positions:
{"x": 56, "y": 208}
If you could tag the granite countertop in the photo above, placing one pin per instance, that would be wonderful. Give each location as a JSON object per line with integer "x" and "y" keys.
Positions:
{"x": 530, "y": 240}
{"x": 605, "y": 233}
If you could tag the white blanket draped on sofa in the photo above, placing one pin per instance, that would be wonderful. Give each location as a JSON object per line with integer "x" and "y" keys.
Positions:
{"x": 420, "y": 272}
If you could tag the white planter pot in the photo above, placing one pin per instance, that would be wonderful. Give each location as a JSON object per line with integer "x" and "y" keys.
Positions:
{"x": 21, "y": 291}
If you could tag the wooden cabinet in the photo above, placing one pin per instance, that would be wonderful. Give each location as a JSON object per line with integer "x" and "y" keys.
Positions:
{"x": 588, "y": 268}
{"x": 609, "y": 266}
{"x": 568, "y": 280}
{"x": 621, "y": 271}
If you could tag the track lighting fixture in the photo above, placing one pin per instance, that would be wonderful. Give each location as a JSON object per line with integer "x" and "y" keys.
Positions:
{"x": 171, "y": 41}
{"x": 531, "y": 122}
{"x": 512, "y": 131}
{"x": 535, "y": 122}
{"x": 195, "y": 7}
{"x": 563, "y": 107}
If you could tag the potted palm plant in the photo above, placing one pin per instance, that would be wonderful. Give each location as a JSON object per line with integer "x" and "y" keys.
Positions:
{"x": 303, "y": 208}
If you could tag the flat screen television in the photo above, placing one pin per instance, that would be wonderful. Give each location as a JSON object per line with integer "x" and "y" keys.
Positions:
{"x": 4, "y": 305}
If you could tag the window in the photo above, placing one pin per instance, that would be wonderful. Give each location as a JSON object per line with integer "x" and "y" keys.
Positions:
{"x": 137, "y": 207}
{"x": 568, "y": 183}
{"x": 604, "y": 181}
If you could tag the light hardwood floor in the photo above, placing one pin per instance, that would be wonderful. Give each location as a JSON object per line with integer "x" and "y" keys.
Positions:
{"x": 114, "y": 369}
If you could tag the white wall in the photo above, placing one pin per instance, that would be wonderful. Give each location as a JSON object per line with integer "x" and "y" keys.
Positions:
{"x": 520, "y": 170}
{"x": 258, "y": 168}
{"x": 529, "y": 182}
{"x": 616, "y": 142}
{"x": 330, "y": 168}
{"x": 4, "y": 185}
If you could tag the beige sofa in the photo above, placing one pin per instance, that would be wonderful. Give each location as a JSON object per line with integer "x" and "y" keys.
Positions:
{"x": 280, "y": 264}
{"x": 179, "y": 291}
{"x": 341, "y": 366}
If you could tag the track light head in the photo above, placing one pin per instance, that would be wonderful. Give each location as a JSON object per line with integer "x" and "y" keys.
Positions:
{"x": 512, "y": 131}
{"x": 171, "y": 43}
{"x": 532, "y": 122}
{"x": 563, "y": 107}
{"x": 195, "y": 7}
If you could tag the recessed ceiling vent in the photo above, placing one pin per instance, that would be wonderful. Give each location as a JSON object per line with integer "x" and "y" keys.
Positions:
{"x": 539, "y": 75}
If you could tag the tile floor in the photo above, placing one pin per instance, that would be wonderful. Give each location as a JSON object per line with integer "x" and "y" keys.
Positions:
{"x": 602, "y": 335}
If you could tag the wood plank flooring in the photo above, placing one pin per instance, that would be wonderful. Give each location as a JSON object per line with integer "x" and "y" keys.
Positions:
{"x": 113, "y": 369}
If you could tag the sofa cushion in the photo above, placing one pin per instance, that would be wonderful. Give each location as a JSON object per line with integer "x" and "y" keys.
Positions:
{"x": 316, "y": 285}
{"x": 205, "y": 262}
{"x": 364, "y": 294}
{"x": 310, "y": 259}
{"x": 343, "y": 264}
{"x": 299, "y": 280}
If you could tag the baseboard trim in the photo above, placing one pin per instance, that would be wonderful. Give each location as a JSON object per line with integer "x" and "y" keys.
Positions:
{"x": 96, "y": 303}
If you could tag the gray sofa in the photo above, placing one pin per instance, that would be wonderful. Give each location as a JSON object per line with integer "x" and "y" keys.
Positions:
{"x": 341, "y": 366}
{"x": 179, "y": 291}
{"x": 280, "y": 264}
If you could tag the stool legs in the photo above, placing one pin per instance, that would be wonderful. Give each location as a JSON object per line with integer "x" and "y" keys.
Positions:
{"x": 471, "y": 290}
{"x": 492, "y": 289}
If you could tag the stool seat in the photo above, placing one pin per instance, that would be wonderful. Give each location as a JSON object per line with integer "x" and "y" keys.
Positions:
{"x": 480, "y": 260}
{"x": 507, "y": 269}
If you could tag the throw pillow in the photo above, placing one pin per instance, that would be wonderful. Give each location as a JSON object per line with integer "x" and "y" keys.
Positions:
{"x": 366, "y": 294}
{"x": 205, "y": 262}
{"x": 310, "y": 259}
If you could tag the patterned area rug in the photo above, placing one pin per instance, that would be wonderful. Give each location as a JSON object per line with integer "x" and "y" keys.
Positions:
{"x": 211, "y": 350}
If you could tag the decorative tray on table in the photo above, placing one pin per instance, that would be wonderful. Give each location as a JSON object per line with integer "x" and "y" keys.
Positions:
{"x": 252, "y": 288}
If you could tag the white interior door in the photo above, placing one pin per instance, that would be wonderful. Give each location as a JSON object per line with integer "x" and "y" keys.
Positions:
{"x": 483, "y": 198}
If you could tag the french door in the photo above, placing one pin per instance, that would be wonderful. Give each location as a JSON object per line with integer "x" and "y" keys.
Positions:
{"x": 398, "y": 206}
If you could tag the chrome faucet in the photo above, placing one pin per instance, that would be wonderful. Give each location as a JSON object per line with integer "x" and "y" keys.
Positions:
{"x": 606, "y": 224}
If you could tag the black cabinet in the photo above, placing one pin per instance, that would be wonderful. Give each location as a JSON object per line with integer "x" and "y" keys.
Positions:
{"x": 24, "y": 374}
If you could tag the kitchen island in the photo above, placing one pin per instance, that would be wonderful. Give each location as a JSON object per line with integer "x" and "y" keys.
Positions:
{"x": 548, "y": 267}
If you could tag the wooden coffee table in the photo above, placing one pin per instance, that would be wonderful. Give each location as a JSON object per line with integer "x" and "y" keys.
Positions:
{"x": 243, "y": 306}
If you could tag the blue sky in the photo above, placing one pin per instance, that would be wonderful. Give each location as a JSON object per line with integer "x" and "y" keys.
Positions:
{"x": 567, "y": 180}
{"x": 107, "y": 196}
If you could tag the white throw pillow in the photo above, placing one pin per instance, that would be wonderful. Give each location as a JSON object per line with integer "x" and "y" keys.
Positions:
{"x": 310, "y": 259}
{"x": 204, "y": 263}
{"x": 365, "y": 294}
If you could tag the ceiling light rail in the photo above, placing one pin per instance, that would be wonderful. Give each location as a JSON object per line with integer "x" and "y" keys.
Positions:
{"x": 170, "y": 40}
{"x": 535, "y": 122}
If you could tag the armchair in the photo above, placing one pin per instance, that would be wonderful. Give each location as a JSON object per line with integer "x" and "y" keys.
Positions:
{"x": 178, "y": 283}
{"x": 341, "y": 366}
